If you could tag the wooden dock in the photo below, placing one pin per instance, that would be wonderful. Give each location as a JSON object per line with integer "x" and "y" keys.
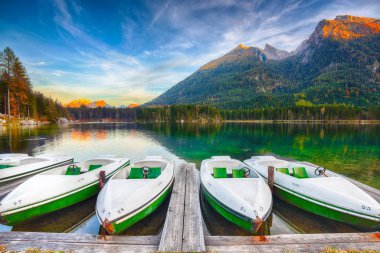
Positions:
{"x": 184, "y": 231}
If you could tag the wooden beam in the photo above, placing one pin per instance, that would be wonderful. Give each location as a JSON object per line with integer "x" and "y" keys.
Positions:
{"x": 293, "y": 242}
{"x": 20, "y": 241}
{"x": 171, "y": 236}
{"x": 193, "y": 238}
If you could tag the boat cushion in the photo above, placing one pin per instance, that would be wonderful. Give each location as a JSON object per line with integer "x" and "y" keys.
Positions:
{"x": 283, "y": 170}
{"x": 72, "y": 172}
{"x": 220, "y": 173}
{"x": 156, "y": 172}
{"x": 300, "y": 172}
{"x": 236, "y": 173}
{"x": 5, "y": 166}
{"x": 94, "y": 167}
{"x": 136, "y": 173}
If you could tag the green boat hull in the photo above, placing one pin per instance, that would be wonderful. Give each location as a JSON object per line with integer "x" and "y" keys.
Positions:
{"x": 321, "y": 210}
{"x": 52, "y": 206}
{"x": 228, "y": 213}
{"x": 119, "y": 227}
{"x": 55, "y": 205}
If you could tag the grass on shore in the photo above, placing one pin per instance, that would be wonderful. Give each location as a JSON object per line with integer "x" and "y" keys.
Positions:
{"x": 335, "y": 250}
{"x": 3, "y": 249}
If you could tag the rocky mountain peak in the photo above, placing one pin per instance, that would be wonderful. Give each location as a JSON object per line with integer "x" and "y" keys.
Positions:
{"x": 345, "y": 27}
{"x": 274, "y": 53}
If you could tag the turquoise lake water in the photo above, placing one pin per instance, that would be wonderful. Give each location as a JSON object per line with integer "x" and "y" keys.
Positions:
{"x": 352, "y": 150}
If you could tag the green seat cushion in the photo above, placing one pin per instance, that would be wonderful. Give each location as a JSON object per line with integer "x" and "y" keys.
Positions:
{"x": 156, "y": 172}
{"x": 5, "y": 166}
{"x": 236, "y": 173}
{"x": 136, "y": 173}
{"x": 283, "y": 170}
{"x": 300, "y": 172}
{"x": 220, "y": 173}
{"x": 94, "y": 167}
{"x": 72, "y": 172}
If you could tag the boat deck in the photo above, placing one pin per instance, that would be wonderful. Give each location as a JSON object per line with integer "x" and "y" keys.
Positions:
{"x": 184, "y": 230}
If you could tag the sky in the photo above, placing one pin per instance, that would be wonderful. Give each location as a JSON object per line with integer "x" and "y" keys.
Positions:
{"x": 132, "y": 51}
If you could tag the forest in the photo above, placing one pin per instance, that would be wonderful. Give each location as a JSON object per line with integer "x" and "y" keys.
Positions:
{"x": 17, "y": 98}
{"x": 210, "y": 113}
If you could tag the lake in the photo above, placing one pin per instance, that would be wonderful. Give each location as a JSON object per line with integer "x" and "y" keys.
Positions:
{"x": 352, "y": 150}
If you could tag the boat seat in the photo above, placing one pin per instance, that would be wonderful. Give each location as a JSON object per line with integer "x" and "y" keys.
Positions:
{"x": 220, "y": 172}
{"x": 71, "y": 172}
{"x": 236, "y": 173}
{"x": 136, "y": 173}
{"x": 156, "y": 172}
{"x": 94, "y": 167}
{"x": 300, "y": 172}
{"x": 283, "y": 170}
{"x": 5, "y": 166}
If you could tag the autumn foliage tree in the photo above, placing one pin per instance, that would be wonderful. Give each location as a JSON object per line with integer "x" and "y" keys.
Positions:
{"x": 17, "y": 98}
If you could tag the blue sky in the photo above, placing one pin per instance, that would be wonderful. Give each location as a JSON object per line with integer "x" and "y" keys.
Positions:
{"x": 131, "y": 51}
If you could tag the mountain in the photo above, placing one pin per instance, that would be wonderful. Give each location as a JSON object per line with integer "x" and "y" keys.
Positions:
{"x": 338, "y": 63}
{"x": 99, "y": 103}
{"x": 274, "y": 53}
{"x": 87, "y": 103}
{"x": 133, "y": 105}
{"x": 78, "y": 103}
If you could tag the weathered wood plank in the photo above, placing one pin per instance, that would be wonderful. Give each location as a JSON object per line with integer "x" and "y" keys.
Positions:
{"x": 310, "y": 248}
{"x": 20, "y": 241}
{"x": 171, "y": 238}
{"x": 193, "y": 238}
{"x": 293, "y": 239}
{"x": 79, "y": 248}
{"x": 38, "y": 237}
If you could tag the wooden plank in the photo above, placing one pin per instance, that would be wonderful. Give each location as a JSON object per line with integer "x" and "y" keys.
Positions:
{"x": 20, "y": 241}
{"x": 77, "y": 238}
{"x": 171, "y": 238}
{"x": 193, "y": 238}
{"x": 293, "y": 239}
{"x": 79, "y": 248}
{"x": 293, "y": 243}
{"x": 294, "y": 247}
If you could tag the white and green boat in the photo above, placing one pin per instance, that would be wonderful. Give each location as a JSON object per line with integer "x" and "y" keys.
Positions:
{"x": 134, "y": 192}
{"x": 58, "y": 188}
{"x": 236, "y": 192}
{"x": 319, "y": 191}
{"x": 17, "y": 166}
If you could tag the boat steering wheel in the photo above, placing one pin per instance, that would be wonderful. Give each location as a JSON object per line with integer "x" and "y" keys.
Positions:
{"x": 74, "y": 169}
{"x": 320, "y": 171}
{"x": 244, "y": 172}
{"x": 145, "y": 171}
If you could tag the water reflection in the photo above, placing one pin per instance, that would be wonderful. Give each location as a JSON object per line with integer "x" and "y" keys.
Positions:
{"x": 353, "y": 150}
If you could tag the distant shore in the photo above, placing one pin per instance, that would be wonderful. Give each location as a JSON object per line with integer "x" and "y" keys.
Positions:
{"x": 353, "y": 122}
{"x": 361, "y": 122}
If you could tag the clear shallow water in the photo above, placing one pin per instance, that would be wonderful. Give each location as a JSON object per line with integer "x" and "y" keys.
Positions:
{"x": 352, "y": 150}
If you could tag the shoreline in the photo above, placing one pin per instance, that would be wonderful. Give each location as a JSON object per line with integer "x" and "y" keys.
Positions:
{"x": 353, "y": 122}
{"x": 331, "y": 122}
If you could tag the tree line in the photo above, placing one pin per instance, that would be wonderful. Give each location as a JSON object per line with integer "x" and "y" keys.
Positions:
{"x": 210, "y": 113}
{"x": 17, "y": 98}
